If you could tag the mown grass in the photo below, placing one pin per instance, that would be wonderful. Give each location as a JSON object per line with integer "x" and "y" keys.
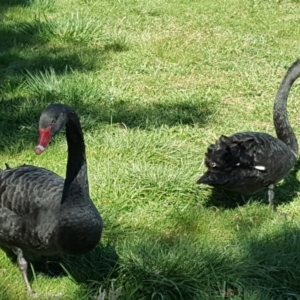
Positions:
{"x": 154, "y": 83}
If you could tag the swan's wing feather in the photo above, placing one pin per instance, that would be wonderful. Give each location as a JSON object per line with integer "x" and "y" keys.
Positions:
{"x": 29, "y": 204}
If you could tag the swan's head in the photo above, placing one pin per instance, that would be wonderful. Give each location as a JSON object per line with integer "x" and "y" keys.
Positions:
{"x": 52, "y": 120}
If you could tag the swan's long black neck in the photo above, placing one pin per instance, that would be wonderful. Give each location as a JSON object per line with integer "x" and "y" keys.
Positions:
{"x": 283, "y": 128}
{"x": 76, "y": 165}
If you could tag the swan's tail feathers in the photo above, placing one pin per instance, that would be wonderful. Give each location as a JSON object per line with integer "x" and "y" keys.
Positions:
{"x": 229, "y": 153}
{"x": 205, "y": 179}
{"x": 217, "y": 180}
{"x": 229, "y": 157}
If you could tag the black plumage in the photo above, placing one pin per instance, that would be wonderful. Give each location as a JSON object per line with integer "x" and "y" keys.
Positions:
{"x": 247, "y": 162}
{"x": 43, "y": 213}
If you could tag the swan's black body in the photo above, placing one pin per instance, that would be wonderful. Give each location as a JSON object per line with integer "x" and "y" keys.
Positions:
{"x": 40, "y": 211}
{"x": 247, "y": 162}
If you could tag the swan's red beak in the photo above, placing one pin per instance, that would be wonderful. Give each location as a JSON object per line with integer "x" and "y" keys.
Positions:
{"x": 44, "y": 139}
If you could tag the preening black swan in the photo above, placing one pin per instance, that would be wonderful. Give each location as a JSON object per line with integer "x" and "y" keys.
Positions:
{"x": 43, "y": 213}
{"x": 247, "y": 162}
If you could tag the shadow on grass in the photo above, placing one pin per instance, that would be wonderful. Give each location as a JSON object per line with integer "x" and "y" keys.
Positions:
{"x": 18, "y": 126}
{"x": 10, "y": 3}
{"x": 3, "y": 293}
{"x": 24, "y": 48}
{"x": 33, "y": 45}
{"x": 19, "y": 117}
{"x": 182, "y": 268}
{"x": 284, "y": 193}
{"x": 188, "y": 111}
{"x": 97, "y": 266}
{"x": 276, "y": 258}
{"x": 179, "y": 267}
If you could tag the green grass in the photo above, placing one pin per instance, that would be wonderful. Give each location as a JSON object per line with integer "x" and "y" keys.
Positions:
{"x": 155, "y": 82}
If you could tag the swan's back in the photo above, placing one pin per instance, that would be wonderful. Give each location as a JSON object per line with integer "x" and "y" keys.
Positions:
{"x": 29, "y": 208}
{"x": 247, "y": 162}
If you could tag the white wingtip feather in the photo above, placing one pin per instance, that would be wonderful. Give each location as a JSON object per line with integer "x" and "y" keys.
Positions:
{"x": 260, "y": 168}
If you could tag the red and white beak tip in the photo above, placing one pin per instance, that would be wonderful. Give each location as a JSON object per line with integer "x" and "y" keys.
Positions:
{"x": 39, "y": 149}
{"x": 44, "y": 139}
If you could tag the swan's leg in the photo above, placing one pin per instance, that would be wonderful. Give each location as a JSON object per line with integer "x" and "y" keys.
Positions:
{"x": 243, "y": 198}
{"x": 22, "y": 264}
{"x": 271, "y": 195}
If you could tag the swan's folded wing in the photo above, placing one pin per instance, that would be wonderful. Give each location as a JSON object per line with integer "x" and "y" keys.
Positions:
{"x": 29, "y": 205}
{"x": 247, "y": 162}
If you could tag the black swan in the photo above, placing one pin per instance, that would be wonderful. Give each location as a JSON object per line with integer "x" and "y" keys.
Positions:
{"x": 247, "y": 162}
{"x": 42, "y": 213}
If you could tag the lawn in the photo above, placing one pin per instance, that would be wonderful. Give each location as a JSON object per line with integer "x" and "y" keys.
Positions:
{"x": 154, "y": 83}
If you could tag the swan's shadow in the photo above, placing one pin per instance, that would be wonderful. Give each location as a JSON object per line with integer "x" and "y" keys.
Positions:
{"x": 284, "y": 193}
{"x": 96, "y": 266}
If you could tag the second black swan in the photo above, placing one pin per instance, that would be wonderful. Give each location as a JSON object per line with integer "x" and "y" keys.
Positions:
{"x": 43, "y": 213}
{"x": 247, "y": 162}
